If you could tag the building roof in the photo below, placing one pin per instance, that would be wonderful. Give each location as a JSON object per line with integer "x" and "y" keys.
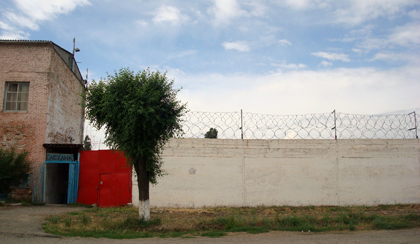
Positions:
{"x": 63, "y": 53}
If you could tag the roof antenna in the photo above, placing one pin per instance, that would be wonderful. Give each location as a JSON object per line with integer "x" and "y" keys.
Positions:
{"x": 87, "y": 75}
{"x": 75, "y": 49}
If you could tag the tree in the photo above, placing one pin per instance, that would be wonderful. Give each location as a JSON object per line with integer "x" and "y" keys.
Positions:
{"x": 87, "y": 144}
{"x": 140, "y": 113}
{"x": 14, "y": 167}
{"x": 212, "y": 134}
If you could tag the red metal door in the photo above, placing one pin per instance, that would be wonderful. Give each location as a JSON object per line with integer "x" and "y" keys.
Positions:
{"x": 105, "y": 191}
{"x": 108, "y": 167}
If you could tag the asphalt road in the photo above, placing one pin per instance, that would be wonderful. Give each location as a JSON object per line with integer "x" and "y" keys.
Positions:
{"x": 22, "y": 225}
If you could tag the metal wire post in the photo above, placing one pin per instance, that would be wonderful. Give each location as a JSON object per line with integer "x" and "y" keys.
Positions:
{"x": 415, "y": 124}
{"x": 242, "y": 126}
{"x": 335, "y": 125}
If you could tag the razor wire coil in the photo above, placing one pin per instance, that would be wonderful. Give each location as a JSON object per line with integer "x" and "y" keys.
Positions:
{"x": 309, "y": 126}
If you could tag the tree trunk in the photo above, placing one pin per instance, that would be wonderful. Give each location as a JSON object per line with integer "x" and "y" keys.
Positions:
{"x": 143, "y": 184}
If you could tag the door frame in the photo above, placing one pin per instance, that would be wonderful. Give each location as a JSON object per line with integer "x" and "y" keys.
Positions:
{"x": 73, "y": 182}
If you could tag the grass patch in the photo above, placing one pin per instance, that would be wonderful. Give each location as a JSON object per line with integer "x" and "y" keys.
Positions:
{"x": 213, "y": 234}
{"x": 123, "y": 222}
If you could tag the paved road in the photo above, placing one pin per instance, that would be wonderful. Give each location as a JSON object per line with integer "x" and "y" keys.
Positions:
{"x": 21, "y": 225}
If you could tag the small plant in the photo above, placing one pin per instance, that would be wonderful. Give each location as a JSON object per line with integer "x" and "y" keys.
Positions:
{"x": 87, "y": 143}
{"x": 136, "y": 223}
{"x": 53, "y": 220}
{"x": 67, "y": 222}
{"x": 85, "y": 219}
{"x": 14, "y": 167}
{"x": 214, "y": 234}
{"x": 352, "y": 226}
{"x": 225, "y": 222}
{"x": 211, "y": 134}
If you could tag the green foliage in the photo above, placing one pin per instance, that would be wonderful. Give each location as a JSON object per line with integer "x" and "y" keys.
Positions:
{"x": 211, "y": 134}
{"x": 214, "y": 234}
{"x": 87, "y": 143}
{"x": 123, "y": 222}
{"x": 139, "y": 112}
{"x": 85, "y": 219}
{"x": 136, "y": 223}
{"x": 14, "y": 167}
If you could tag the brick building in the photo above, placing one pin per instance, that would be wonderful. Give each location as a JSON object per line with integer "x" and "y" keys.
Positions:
{"x": 40, "y": 112}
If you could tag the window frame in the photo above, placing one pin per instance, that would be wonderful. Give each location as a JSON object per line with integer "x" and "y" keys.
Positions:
{"x": 25, "y": 183}
{"x": 18, "y": 93}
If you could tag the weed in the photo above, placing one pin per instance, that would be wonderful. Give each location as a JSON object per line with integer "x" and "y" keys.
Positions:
{"x": 343, "y": 219}
{"x": 393, "y": 223}
{"x": 326, "y": 219}
{"x": 290, "y": 221}
{"x": 251, "y": 229}
{"x": 137, "y": 223}
{"x": 67, "y": 222}
{"x": 351, "y": 226}
{"x": 53, "y": 220}
{"x": 123, "y": 222}
{"x": 85, "y": 219}
{"x": 227, "y": 223}
{"x": 412, "y": 217}
{"x": 214, "y": 234}
{"x": 176, "y": 234}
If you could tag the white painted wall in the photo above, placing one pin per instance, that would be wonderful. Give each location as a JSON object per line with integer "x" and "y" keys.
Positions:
{"x": 209, "y": 172}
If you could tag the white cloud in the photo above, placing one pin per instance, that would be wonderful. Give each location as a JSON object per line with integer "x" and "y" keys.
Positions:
{"x": 225, "y": 10}
{"x": 141, "y": 23}
{"x": 285, "y": 65}
{"x": 396, "y": 57}
{"x": 298, "y": 4}
{"x": 284, "y": 42}
{"x": 406, "y": 35}
{"x": 326, "y": 63}
{"x": 14, "y": 35}
{"x": 381, "y": 56}
{"x": 21, "y": 21}
{"x": 354, "y": 12}
{"x": 182, "y": 54}
{"x": 47, "y": 9}
{"x": 354, "y": 90}
{"x": 258, "y": 9}
{"x": 169, "y": 14}
{"x": 332, "y": 56}
{"x": 29, "y": 13}
{"x": 5, "y": 26}
{"x": 239, "y": 46}
{"x": 359, "y": 11}
{"x": 415, "y": 14}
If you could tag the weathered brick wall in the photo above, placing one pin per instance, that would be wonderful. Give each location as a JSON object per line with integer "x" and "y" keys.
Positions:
{"x": 65, "y": 115}
{"x": 54, "y": 114}
{"x": 25, "y": 130}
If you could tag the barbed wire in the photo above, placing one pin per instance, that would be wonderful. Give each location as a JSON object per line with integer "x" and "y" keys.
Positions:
{"x": 235, "y": 125}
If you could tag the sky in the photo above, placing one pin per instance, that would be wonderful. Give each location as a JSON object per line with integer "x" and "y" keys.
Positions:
{"x": 269, "y": 57}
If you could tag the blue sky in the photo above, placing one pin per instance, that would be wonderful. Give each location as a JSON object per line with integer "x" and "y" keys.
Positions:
{"x": 275, "y": 57}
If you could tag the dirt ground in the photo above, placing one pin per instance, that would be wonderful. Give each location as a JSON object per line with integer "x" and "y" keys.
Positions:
{"x": 23, "y": 225}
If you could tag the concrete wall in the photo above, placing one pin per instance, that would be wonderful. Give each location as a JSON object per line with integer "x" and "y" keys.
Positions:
{"x": 206, "y": 172}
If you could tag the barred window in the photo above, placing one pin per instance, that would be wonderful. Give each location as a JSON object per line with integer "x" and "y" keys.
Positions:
{"x": 17, "y": 94}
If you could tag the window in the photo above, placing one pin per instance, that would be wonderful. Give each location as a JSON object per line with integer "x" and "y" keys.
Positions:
{"x": 25, "y": 182}
{"x": 17, "y": 94}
